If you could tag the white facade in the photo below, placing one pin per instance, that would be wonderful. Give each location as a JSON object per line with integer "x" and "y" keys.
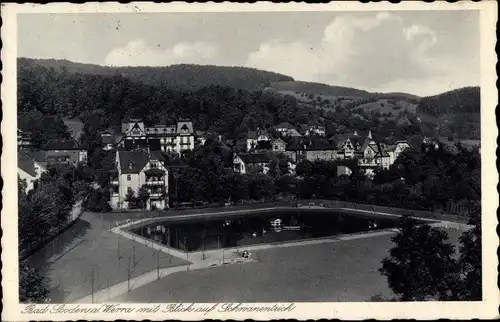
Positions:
{"x": 31, "y": 178}
{"x": 157, "y": 185}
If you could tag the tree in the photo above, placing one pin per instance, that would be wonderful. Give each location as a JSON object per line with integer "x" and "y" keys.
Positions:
{"x": 97, "y": 200}
{"x": 421, "y": 265}
{"x": 131, "y": 198}
{"x": 32, "y": 287}
{"x": 142, "y": 197}
{"x": 470, "y": 261}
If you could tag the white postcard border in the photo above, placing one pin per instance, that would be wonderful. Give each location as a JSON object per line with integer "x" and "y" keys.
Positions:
{"x": 486, "y": 309}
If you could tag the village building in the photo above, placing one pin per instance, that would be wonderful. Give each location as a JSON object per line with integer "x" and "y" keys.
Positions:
{"x": 136, "y": 169}
{"x": 311, "y": 148}
{"x": 24, "y": 141}
{"x": 347, "y": 146}
{"x": 278, "y": 145}
{"x": 284, "y": 129}
{"x": 68, "y": 153}
{"x": 29, "y": 170}
{"x": 257, "y": 140}
{"x": 293, "y": 133}
{"x": 343, "y": 170}
{"x": 316, "y": 130}
{"x": 108, "y": 140}
{"x": 251, "y": 163}
{"x": 176, "y": 137}
{"x": 396, "y": 149}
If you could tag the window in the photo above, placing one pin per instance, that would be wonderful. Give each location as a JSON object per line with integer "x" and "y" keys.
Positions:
{"x": 129, "y": 177}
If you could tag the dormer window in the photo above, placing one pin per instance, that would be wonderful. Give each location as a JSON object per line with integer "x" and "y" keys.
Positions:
{"x": 130, "y": 165}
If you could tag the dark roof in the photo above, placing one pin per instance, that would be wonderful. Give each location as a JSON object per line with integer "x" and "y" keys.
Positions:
{"x": 310, "y": 144}
{"x": 63, "y": 145}
{"x": 278, "y": 141}
{"x": 254, "y": 157}
{"x": 157, "y": 155}
{"x": 252, "y": 134}
{"x": 133, "y": 161}
{"x": 108, "y": 139}
{"x": 284, "y": 125}
{"x": 26, "y": 163}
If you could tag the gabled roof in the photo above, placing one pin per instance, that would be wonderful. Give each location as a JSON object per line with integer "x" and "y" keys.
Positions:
{"x": 284, "y": 125}
{"x": 132, "y": 161}
{"x": 278, "y": 141}
{"x": 310, "y": 144}
{"x": 64, "y": 145}
{"x": 26, "y": 163}
{"x": 185, "y": 127}
{"x": 379, "y": 151}
{"x": 338, "y": 140}
{"x": 294, "y": 133}
{"x": 249, "y": 158}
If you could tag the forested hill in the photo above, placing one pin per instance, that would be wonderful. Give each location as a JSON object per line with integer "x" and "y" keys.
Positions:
{"x": 320, "y": 89}
{"x": 178, "y": 77}
{"x": 462, "y": 100}
{"x": 455, "y": 113}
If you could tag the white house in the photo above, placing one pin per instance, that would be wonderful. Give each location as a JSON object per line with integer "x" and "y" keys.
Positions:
{"x": 316, "y": 130}
{"x": 396, "y": 150}
{"x": 278, "y": 145}
{"x": 251, "y": 163}
{"x": 136, "y": 169}
{"x": 254, "y": 138}
{"x": 29, "y": 170}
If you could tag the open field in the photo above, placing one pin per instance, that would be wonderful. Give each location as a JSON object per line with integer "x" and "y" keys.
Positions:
{"x": 343, "y": 271}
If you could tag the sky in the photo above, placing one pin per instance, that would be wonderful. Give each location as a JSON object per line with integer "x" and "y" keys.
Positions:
{"x": 418, "y": 52}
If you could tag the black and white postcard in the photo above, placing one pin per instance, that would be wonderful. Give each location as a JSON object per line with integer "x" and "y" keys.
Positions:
{"x": 249, "y": 161}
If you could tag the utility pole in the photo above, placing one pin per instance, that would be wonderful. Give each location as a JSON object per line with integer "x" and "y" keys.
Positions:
{"x": 187, "y": 253}
{"x": 158, "y": 264}
{"x": 133, "y": 256}
{"x": 93, "y": 284}
{"x": 128, "y": 273}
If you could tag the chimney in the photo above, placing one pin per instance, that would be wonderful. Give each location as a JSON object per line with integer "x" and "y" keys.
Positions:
{"x": 370, "y": 134}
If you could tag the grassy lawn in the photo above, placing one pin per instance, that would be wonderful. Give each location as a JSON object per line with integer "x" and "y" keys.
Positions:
{"x": 87, "y": 249}
{"x": 343, "y": 271}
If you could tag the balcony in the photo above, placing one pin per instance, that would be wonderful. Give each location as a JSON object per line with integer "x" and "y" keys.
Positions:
{"x": 155, "y": 182}
{"x": 367, "y": 163}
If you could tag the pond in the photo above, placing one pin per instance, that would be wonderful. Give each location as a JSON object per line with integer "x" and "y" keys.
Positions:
{"x": 258, "y": 228}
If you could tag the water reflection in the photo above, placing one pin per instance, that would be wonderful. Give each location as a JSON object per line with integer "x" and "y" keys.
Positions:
{"x": 258, "y": 228}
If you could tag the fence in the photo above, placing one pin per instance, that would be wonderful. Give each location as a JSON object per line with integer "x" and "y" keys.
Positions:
{"x": 336, "y": 204}
{"x": 76, "y": 212}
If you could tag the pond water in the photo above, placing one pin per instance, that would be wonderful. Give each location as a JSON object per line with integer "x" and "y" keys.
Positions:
{"x": 258, "y": 228}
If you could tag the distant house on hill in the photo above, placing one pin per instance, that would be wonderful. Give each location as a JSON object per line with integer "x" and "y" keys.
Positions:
{"x": 396, "y": 149}
{"x": 254, "y": 138}
{"x": 251, "y": 163}
{"x": 284, "y": 129}
{"x": 316, "y": 130}
{"x": 293, "y": 133}
{"x": 278, "y": 145}
{"x": 29, "y": 170}
{"x": 310, "y": 148}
